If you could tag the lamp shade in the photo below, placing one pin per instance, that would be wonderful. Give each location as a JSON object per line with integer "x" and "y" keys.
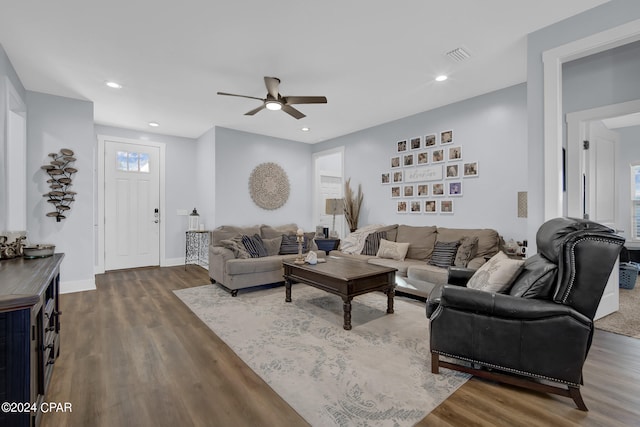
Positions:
{"x": 334, "y": 207}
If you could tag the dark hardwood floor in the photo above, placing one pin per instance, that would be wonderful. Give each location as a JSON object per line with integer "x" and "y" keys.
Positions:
{"x": 133, "y": 354}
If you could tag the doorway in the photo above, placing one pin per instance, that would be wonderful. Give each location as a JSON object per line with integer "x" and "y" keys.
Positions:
{"x": 130, "y": 203}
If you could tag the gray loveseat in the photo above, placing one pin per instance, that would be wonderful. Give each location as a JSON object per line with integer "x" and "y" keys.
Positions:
{"x": 234, "y": 270}
{"x": 415, "y": 275}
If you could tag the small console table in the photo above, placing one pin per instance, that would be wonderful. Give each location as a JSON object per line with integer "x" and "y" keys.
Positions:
{"x": 327, "y": 245}
{"x": 29, "y": 334}
{"x": 197, "y": 248}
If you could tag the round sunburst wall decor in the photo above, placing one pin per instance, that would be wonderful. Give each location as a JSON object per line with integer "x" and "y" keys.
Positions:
{"x": 269, "y": 186}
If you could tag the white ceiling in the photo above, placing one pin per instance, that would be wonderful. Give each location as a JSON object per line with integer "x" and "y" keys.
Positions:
{"x": 374, "y": 60}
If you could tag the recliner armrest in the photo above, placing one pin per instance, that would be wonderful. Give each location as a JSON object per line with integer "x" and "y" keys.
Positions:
{"x": 459, "y": 276}
{"x": 505, "y": 306}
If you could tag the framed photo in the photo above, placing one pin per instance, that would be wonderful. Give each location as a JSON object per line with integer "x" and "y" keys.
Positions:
{"x": 470, "y": 169}
{"x": 423, "y": 190}
{"x": 437, "y": 156}
{"x": 395, "y": 162}
{"x": 430, "y": 206}
{"x": 423, "y": 157}
{"x": 408, "y": 191}
{"x": 402, "y": 146}
{"x": 395, "y": 191}
{"x": 453, "y": 171}
{"x": 416, "y": 207}
{"x": 446, "y": 206}
{"x": 402, "y": 206}
{"x": 397, "y": 176}
{"x": 455, "y": 188}
{"x": 446, "y": 137}
{"x": 385, "y": 178}
{"x": 415, "y": 143}
{"x": 408, "y": 160}
{"x": 430, "y": 140}
{"x": 437, "y": 189}
{"x": 455, "y": 153}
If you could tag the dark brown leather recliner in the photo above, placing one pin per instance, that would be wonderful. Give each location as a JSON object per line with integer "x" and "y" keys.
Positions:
{"x": 539, "y": 333}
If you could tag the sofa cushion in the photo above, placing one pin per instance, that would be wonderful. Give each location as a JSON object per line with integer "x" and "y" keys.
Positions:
{"x": 272, "y": 245}
{"x": 488, "y": 239}
{"x": 421, "y": 240}
{"x": 444, "y": 254}
{"x": 428, "y": 273}
{"x": 289, "y": 245}
{"x": 466, "y": 251}
{"x": 269, "y": 232}
{"x": 536, "y": 280}
{"x": 497, "y": 274}
{"x": 254, "y": 265}
{"x": 372, "y": 242}
{"x": 401, "y": 266}
{"x": 392, "y": 250}
{"x": 227, "y": 232}
{"x": 236, "y": 246}
{"x": 254, "y": 246}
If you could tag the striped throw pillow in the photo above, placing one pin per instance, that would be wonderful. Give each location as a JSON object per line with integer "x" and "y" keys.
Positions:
{"x": 254, "y": 246}
{"x": 289, "y": 244}
{"x": 443, "y": 254}
{"x": 372, "y": 243}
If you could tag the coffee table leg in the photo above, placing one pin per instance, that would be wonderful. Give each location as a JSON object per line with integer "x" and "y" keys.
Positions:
{"x": 391, "y": 292}
{"x": 347, "y": 313}
{"x": 287, "y": 287}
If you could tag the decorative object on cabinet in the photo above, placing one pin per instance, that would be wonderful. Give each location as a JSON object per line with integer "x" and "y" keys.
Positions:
{"x": 352, "y": 205}
{"x": 194, "y": 220}
{"x": 60, "y": 172}
{"x": 12, "y": 244}
{"x": 269, "y": 186}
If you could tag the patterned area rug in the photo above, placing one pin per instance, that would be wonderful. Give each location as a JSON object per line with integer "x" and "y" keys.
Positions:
{"x": 625, "y": 321}
{"x": 377, "y": 374}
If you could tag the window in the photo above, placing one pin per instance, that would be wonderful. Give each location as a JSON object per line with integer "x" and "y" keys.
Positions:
{"x": 132, "y": 162}
{"x": 635, "y": 201}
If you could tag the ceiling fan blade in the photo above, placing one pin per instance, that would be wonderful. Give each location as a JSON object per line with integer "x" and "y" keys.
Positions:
{"x": 255, "y": 110}
{"x": 305, "y": 100}
{"x": 292, "y": 111}
{"x": 272, "y": 84}
{"x": 240, "y": 96}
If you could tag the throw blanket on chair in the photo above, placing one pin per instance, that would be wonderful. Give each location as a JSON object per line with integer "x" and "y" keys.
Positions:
{"x": 354, "y": 242}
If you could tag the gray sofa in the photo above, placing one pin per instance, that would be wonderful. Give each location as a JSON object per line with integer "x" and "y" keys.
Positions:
{"x": 415, "y": 276}
{"x": 233, "y": 271}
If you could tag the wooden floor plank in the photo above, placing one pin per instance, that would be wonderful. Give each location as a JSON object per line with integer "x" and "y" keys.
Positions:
{"x": 133, "y": 354}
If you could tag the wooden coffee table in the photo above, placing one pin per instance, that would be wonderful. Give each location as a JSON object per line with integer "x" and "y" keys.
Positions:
{"x": 344, "y": 277}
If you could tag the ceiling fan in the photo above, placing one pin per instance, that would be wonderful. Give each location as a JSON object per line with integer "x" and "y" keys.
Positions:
{"x": 275, "y": 101}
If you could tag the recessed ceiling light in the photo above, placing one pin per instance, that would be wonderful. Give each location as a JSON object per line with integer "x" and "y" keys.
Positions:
{"x": 441, "y": 78}
{"x": 113, "y": 85}
{"x": 154, "y": 124}
{"x": 305, "y": 129}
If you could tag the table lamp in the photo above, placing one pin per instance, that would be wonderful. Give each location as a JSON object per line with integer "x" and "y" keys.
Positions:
{"x": 334, "y": 207}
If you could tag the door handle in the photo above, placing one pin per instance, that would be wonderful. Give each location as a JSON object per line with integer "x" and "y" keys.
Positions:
{"x": 156, "y": 215}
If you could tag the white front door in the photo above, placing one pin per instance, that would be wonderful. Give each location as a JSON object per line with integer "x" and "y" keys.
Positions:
{"x": 601, "y": 197}
{"x": 330, "y": 188}
{"x": 132, "y": 202}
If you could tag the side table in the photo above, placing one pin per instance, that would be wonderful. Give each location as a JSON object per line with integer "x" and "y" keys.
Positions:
{"x": 197, "y": 248}
{"x": 327, "y": 245}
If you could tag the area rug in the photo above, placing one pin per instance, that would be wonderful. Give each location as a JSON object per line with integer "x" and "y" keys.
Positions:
{"x": 377, "y": 374}
{"x": 626, "y": 320}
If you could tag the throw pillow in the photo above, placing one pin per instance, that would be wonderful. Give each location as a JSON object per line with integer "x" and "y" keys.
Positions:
{"x": 289, "y": 245}
{"x": 254, "y": 246}
{"x": 272, "y": 245}
{"x": 466, "y": 251}
{"x": 236, "y": 246}
{"x": 372, "y": 243}
{"x": 392, "y": 250}
{"x": 443, "y": 254}
{"x": 497, "y": 274}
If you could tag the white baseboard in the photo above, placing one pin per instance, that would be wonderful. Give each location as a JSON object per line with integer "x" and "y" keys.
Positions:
{"x": 172, "y": 262}
{"x": 77, "y": 286}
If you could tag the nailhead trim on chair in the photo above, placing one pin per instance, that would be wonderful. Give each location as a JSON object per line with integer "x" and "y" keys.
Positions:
{"x": 515, "y": 371}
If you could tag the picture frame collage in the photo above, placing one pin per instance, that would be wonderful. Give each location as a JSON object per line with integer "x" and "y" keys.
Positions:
{"x": 426, "y": 174}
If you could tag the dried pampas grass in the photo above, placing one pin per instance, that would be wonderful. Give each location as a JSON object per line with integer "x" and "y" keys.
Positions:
{"x": 352, "y": 205}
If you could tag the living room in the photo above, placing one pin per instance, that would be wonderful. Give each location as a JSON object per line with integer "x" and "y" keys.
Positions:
{"x": 503, "y": 131}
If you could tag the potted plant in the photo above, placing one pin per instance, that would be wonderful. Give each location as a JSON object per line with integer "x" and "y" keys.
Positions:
{"x": 352, "y": 204}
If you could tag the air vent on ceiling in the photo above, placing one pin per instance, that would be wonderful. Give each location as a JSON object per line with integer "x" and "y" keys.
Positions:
{"x": 458, "y": 54}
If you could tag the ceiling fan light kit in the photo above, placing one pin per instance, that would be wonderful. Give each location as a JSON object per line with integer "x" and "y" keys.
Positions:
{"x": 274, "y": 101}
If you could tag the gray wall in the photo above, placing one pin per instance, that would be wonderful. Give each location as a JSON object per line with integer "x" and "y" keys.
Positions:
{"x": 598, "y": 19}
{"x": 490, "y": 128}
{"x": 236, "y": 155}
{"x": 206, "y": 161}
{"x": 53, "y": 123}
{"x": 6, "y": 69}
{"x": 181, "y": 184}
